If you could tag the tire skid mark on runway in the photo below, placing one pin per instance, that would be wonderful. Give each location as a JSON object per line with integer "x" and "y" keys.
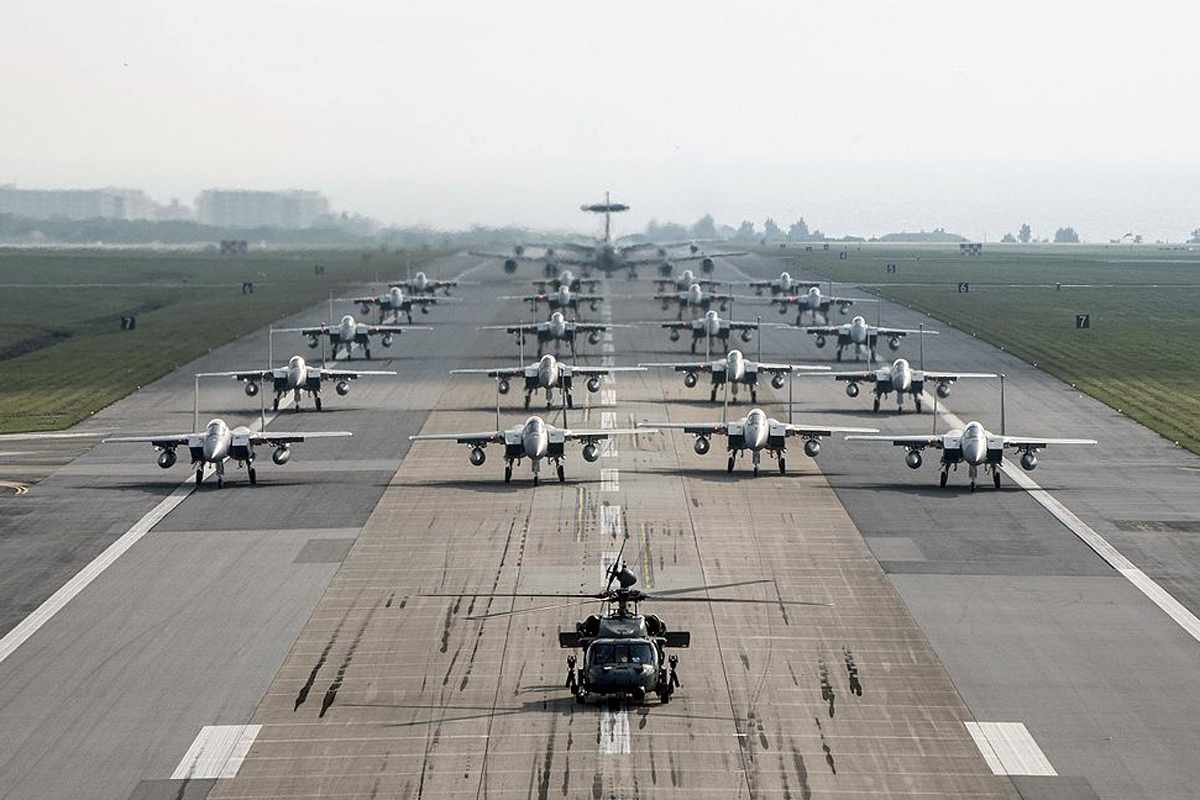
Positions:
{"x": 56, "y": 602}
{"x": 1179, "y": 613}
{"x": 302, "y": 695}
{"x": 339, "y": 678}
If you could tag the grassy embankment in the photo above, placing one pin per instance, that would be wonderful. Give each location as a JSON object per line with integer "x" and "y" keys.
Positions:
{"x": 1139, "y": 356}
{"x": 63, "y": 355}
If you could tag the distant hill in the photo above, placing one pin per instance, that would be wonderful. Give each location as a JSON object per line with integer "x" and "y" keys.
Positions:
{"x": 936, "y": 235}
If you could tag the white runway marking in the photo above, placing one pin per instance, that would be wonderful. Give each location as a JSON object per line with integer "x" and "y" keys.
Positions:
{"x": 1101, "y": 546}
{"x": 610, "y": 480}
{"x": 608, "y": 447}
{"x": 608, "y": 397}
{"x": 1009, "y": 749}
{"x": 217, "y": 752}
{"x": 614, "y": 721}
{"x": 610, "y": 523}
{"x": 57, "y": 601}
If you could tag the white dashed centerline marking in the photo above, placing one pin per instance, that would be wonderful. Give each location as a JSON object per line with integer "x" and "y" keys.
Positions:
{"x": 1009, "y": 749}
{"x": 610, "y": 523}
{"x": 217, "y": 752}
{"x": 608, "y": 447}
{"x": 1101, "y": 546}
{"x": 610, "y": 480}
{"x": 614, "y": 717}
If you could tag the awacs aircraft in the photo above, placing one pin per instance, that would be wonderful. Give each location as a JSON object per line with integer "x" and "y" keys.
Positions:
{"x": 814, "y": 303}
{"x": 735, "y": 369}
{"x": 548, "y": 373}
{"x": 568, "y": 279}
{"x": 421, "y": 283}
{"x": 784, "y": 284}
{"x": 297, "y": 377}
{"x": 536, "y": 440}
{"x": 684, "y": 281}
{"x": 974, "y": 446}
{"x": 348, "y": 333}
{"x": 862, "y": 337}
{"x": 557, "y": 329}
{"x": 757, "y": 433}
{"x": 395, "y": 301}
{"x": 549, "y": 261}
{"x": 708, "y": 327}
{"x": 902, "y": 379}
{"x": 218, "y": 443}
{"x": 560, "y": 299}
{"x": 696, "y": 297}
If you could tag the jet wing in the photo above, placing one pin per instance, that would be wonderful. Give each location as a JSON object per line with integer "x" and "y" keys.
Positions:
{"x": 604, "y": 433}
{"x": 702, "y": 256}
{"x": 866, "y": 376}
{"x": 900, "y": 331}
{"x": 280, "y": 437}
{"x": 394, "y": 328}
{"x": 161, "y": 440}
{"x": 827, "y": 330}
{"x": 687, "y": 366}
{"x": 249, "y": 375}
{"x": 333, "y": 374}
{"x": 743, "y": 326}
{"x": 529, "y": 327}
{"x": 363, "y": 300}
{"x": 321, "y": 330}
{"x": 505, "y": 256}
{"x": 588, "y": 327}
{"x": 481, "y": 437}
{"x": 577, "y": 370}
{"x": 427, "y": 300}
{"x": 924, "y": 374}
{"x": 589, "y": 298}
{"x": 902, "y": 441}
{"x": 790, "y": 368}
{"x": 823, "y": 430}
{"x": 697, "y": 428}
{"x": 506, "y": 372}
{"x": 1033, "y": 441}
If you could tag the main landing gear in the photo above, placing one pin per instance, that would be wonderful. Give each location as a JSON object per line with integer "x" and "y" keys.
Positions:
{"x": 562, "y": 474}
{"x": 508, "y": 473}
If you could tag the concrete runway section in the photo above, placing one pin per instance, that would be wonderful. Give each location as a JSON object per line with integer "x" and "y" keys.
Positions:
{"x": 390, "y": 694}
{"x": 1033, "y": 625}
{"x": 186, "y": 628}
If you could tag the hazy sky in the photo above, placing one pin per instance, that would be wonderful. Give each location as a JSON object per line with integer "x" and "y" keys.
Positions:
{"x": 863, "y": 117}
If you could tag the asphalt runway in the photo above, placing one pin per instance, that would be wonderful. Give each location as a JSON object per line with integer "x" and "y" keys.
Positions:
{"x": 294, "y": 605}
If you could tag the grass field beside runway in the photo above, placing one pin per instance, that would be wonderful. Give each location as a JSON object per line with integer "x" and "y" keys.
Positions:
{"x": 1138, "y": 355}
{"x": 64, "y": 356}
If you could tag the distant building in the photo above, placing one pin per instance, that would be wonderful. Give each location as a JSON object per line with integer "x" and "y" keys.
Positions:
{"x": 233, "y": 208}
{"x": 76, "y": 204}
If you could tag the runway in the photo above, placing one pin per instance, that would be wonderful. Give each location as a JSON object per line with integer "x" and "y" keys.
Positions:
{"x": 295, "y": 605}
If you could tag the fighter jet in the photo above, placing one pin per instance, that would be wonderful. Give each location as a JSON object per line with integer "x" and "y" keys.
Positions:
{"x": 757, "y": 433}
{"x": 735, "y": 369}
{"x": 560, "y": 299}
{"x": 861, "y": 336}
{"x": 422, "y": 284}
{"x": 568, "y": 279}
{"x": 396, "y": 302}
{"x": 814, "y": 303}
{"x": 902, "y": 379}
{"x": 557, "y": 329}
{"x": 784, "y": 284}
{"x": 218, "y": 443}
{"x": 685, "y": 279}
{"x": 710, "y": 326}
{"x": 535, "y": 439}
{"x": 297, "y": 377}
{"x": 974, "y": 446}
{"x": 548, "y": 373}
{"x": 549, "y": 261}
{"x": 348, "y": 333}
{"x": 696, "y": 297}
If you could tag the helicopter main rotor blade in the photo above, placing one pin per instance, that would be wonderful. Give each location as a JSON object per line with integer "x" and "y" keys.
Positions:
{"x": 615, "y": 567}
{"x": 532, "y": 609}
{"x": 736, "y": 600}
{"x": 706, "y": 587}
{"x": 578, "y": 596}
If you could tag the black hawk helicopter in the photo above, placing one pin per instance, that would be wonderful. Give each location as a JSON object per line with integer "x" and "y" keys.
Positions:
{"x": 624, "y": 651}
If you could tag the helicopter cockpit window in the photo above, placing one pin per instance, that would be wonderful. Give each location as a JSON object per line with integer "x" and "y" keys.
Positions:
{"x": 632, "y": 653}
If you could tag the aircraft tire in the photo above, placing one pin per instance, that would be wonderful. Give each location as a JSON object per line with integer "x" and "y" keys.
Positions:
{"x": 945, "y": 477}
{"x": 876, "y": 408}
{"x": 570, "y": 401}
{"x": 839, "y": 355}
{"x": 317, "y": 402}
{"x": 712, "y": 398}
{"x": 754, "y": 396}
{"x": 917, "y": 402}
{"x": 535, "y": 479}
{"x": 253, "y": 476}
{"x": 729, "y": 467}
{"x": 562, "y": 474}
{"x": 199, "y": 477}
{"x": 508, "y": 473}
{"x": 527, "y": 401}
{"x": 996, "y": 478}
{"x": 275, "y": 404}
{"x": 972, "y": 487}
{"x": 782, "y": 465}
{"x": 756, "y": 470}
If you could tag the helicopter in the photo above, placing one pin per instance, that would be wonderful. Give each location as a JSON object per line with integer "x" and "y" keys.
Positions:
{"x": 624, "y": 651}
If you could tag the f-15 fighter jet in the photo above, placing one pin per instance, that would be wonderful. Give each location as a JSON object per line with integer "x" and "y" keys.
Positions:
{"x": 736, "y": 370}
{"x": 814, "y": 303}
{"x": 396, "y": 302}
{"x": 297, "y": 377}
{"x": 557, "y": 329}
{"x": 862, "y": 337}
{"x": 349, "y": 333}
{"x": 548, "y": 373}
{"x": 900, "y": 377}
{"x": 536, "y": 440}
{"x": 784, "y": 284}
{"x": 711, "y": 326}
{"x": 219, "y": 443}
{"x": 560, "y": 299}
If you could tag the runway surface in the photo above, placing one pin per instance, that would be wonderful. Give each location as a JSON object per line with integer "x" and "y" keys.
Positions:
{"x": 295, "y": 606}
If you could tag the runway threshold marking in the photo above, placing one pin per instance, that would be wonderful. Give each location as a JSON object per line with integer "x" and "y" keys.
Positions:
{"x": 80, "y": 580}
{"x": 1101, "y": 546}
{"x": 217, "y": 752}
{"x": 1009, "y": 748}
